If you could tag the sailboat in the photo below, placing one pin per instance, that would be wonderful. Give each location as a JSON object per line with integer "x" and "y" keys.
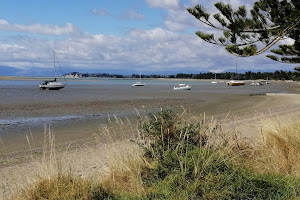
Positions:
{"x": 139, "y": 83}
{"x": 215, "y": 81}
{"x": 183, "y": 87}
{"x": 52, "y": 84}
{"x": 235, "y": 82}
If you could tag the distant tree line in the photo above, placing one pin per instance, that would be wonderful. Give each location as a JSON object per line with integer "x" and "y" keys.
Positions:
{"x": 277, "y": 75}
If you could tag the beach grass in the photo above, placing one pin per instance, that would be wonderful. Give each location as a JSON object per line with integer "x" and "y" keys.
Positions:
{"x": 279, "y": 150}
{"x": 65, "y": 187}
{"x": 175, "y": 155}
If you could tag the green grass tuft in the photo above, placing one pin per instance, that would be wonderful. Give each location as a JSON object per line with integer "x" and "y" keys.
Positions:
{"x": 66, "y": 187}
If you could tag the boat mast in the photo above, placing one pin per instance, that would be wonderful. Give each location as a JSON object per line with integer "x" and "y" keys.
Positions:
{"x": 140, "y": 77}
{"x": 54, "y": 64}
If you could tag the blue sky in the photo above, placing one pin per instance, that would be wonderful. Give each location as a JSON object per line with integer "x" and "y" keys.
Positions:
{"x": 148, "y": 36}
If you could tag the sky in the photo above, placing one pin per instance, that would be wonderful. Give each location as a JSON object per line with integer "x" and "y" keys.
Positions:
{"x": 114, "y": 36}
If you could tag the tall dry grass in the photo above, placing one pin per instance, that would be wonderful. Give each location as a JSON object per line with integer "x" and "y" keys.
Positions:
{"x": 122, "y": 160}
{"x": 272, "y": 147}
{"x": 38, "y": 163}
{"x": 109, "y": 159}
{"x": 279, "y": 151}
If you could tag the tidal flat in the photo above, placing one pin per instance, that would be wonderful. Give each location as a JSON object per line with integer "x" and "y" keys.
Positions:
{"x": 75, "y": 112}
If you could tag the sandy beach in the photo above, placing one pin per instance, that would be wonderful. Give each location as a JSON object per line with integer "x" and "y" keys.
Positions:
{"x": 75, "y": 113}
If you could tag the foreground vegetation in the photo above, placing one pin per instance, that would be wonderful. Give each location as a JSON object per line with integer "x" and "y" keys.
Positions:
{"x": 191, "y": 158}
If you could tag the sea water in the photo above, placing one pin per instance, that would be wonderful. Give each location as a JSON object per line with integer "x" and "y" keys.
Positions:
{"x": 101, "y": 81}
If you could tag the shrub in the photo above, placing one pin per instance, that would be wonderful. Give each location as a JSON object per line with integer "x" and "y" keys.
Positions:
{"x": 166, "y": 131}
{"x": 183, "y": 166}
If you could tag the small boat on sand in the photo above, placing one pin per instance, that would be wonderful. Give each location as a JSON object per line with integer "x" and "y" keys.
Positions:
{"x": 139, "y": 83}
{"x": 215, "y": 81}
{"x": 256, "y": 83}
{"x": 52, "y": 84}
{"x": 182, "y": 87}
{"x": 235, "y": 83}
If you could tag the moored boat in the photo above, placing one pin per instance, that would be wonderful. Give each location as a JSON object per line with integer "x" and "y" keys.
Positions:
{"x": 235, "y": 83}
{"x": 182, "y": 87}
{"x": 256, "y": 83}
{"x": 53, "y": 84}
{"x": 139, "y": 83}
{"x": 215, "y": 81}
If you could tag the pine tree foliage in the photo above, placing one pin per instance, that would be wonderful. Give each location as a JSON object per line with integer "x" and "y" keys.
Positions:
{"x": 268, "y": 22}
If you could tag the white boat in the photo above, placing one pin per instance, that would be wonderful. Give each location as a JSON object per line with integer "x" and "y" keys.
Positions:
{"x": 256, "y": 83}
{"x": 265, "y": 82}
{"x": 235, "y": 83}
{"x": 52, "y": 84}
{"x": 215, "y": 81}
{"x": 139, "y": 83}
{"x": 182, "y": 87}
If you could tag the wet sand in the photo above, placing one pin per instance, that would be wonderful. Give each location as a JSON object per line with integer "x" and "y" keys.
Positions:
{"x": 75, "y": 112}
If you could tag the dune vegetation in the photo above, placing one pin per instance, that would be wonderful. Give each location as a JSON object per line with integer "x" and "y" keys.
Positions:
{"x": 177, "y": 156}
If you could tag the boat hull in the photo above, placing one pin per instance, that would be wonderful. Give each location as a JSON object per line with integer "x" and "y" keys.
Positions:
{"x": 182, "y": 87}
{"x": 138, "y": 84}
{"x": 56, "y": 86}
{"x": 235, "y": 83}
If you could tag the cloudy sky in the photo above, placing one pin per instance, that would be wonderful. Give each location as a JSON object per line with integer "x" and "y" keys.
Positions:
{"x": 117, "y": 36}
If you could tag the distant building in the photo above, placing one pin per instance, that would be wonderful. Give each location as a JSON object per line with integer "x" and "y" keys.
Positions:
{"x": 73, "y": 75}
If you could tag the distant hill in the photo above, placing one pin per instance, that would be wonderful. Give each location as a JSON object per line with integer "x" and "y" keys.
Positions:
{"x": 8, "y": 71}
{"x": 11, "y": 71}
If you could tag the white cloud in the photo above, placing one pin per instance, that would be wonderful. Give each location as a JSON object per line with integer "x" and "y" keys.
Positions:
{"x": 132, "y": 15}
{"x": 288, "y": 41}
{"x": 165, "y": 4}
{"x": 47, "y": 29}
{"x": 101, "y": 12}
{"x": 153, "y": 35}
{"x": 152, "y": 51}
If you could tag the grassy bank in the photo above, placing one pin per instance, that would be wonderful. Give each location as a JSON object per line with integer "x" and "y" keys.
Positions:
{"x": 177, "y": 156}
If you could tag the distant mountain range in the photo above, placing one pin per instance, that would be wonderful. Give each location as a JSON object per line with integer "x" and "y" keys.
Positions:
{"x": 8, "y": 71}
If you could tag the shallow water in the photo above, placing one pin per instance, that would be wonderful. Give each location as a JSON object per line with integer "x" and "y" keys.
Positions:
{"x": 100, "y": 81}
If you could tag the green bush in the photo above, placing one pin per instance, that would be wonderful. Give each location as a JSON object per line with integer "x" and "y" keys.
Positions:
{"x": 166, "y": 132}
{"x": 182, "y": 166}
{"x": 208, "y": 175}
